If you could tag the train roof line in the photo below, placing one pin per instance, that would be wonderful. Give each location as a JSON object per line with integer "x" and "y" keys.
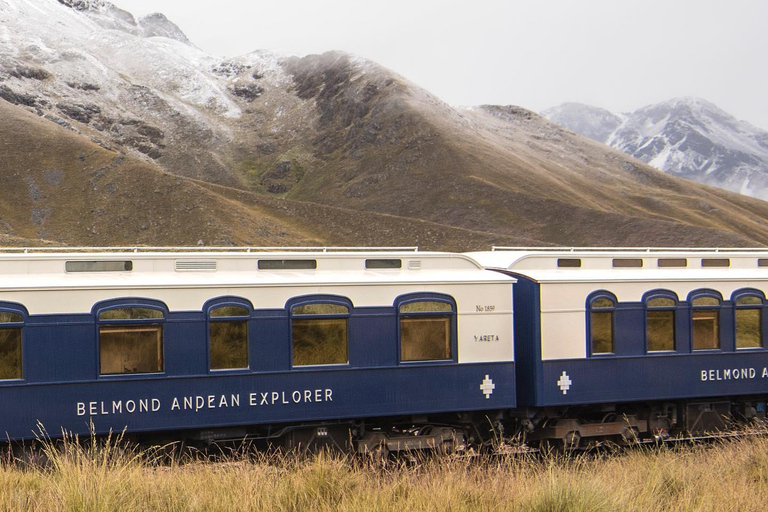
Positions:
{"x": 631, "y": 249}
{"x": 200, "y": 249}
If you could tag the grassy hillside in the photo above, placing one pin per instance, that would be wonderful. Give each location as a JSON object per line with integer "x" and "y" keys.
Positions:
{"x": 382, "y": 145}
{"x": 59, "y": 187}
{"x": 331, "y": 150}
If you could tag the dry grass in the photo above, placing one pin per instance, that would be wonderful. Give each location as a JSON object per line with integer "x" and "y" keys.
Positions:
{"x": 101, "y": 476}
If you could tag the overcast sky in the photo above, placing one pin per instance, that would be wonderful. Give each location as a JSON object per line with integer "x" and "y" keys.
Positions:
{"x": 619, "y": 55}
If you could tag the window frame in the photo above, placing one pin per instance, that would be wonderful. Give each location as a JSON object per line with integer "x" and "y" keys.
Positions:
{"x": 661, "y": 294}
{"x": 591, "y": 299}
{"x": 16, "y": 309}
{"x": 139, "y": 323}
{"x": 712, "y": 294}
{"x": 221, "y": 302}
{"x": 452, "y": 324}
{"x": 319, "y": 299}
{"x": 761, "y": 308}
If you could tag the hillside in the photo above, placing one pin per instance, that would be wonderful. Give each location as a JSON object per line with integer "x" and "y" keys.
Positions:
{"x": 62, "y": 190}
{"x": 117, "y": 131}
{"x": 59, "y": 187}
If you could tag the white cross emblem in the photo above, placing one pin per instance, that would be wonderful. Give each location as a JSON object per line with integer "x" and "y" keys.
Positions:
{"x": 564, "y": 383}
{"x": 487, "y": 386}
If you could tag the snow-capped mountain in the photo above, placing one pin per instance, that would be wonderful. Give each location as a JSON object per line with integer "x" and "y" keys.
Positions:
{"x": 117, "y": 130}
{"x": 686, "y": 137}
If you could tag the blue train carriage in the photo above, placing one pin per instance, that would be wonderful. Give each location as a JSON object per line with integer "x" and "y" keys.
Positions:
{"x": 636, "y": 344}
{"x": 388, "y": 349}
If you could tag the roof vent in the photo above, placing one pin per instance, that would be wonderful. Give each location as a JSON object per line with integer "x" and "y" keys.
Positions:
{"x": 195, "y": 265}
{"x": 414, "y": 264}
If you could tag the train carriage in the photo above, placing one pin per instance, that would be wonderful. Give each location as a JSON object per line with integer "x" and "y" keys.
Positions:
{"x": 382, "y": 349}
{"x": 235, "y": 343}
{"x": 617, "y": 342}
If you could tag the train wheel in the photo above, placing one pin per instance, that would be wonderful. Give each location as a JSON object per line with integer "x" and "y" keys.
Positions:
{"x": 629, "y": 436}
{"x": 447, "y": 448}
{"x": 572, "y": 440}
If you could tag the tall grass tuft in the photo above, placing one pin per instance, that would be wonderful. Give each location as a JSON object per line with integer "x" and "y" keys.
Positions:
{"x": 94, "y": 475}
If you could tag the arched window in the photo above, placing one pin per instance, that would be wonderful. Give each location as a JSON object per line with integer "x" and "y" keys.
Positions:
{"x": 660, "y": 320}
{"x": 748, "y": 313}
{"x": 319, "y": 332}
{"x": 228, "y": 335}
{"x": 601, "y": 309}
{"x": 705, "y": 319}
{"x": 11, "y": 324}
{"x": 130, "y": 338}
{"x": 426, "y": 328}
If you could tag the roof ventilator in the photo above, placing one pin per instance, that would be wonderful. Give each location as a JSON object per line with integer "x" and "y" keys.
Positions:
{"x": 195, "y": 265}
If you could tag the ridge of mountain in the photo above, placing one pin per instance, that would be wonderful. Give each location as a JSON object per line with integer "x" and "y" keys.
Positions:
{"x": 686, "y": 137}
{"x": 264, "y": 149}
{"x": 109, "y": 16}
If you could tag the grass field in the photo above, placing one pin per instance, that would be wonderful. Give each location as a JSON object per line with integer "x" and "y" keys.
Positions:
{"x": 730, "y": 475}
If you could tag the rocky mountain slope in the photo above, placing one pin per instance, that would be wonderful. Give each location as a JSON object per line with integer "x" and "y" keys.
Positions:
{"x": 686, "y": 137}
{"x": 119, "y": 131}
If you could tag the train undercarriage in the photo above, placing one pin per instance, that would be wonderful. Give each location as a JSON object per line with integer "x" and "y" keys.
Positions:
{"x": 627, "y": 424}
{"x": 562, "y": 429}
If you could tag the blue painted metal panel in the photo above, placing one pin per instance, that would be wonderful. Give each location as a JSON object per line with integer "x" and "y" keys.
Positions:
{"x": 375, "y": 333}
{"x": 268, "y": 334}
{"x": 629, "y": 320}
{"x": 157, "y": 402}
{"x": 652, "y": 377}
{"x": 57, "y": 348}
{"x": 185, "y": 344}
{"x": 62, "y": 388}
{"x": 527, "y": 329}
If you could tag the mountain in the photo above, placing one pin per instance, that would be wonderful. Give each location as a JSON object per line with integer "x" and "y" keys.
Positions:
{"x": 685, "y": 137}
{"x": 593, "y": 122}
{"x": 118, "y": 131}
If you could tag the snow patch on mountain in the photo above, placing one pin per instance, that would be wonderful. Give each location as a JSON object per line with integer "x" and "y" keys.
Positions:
{"x": 88, "y": 45}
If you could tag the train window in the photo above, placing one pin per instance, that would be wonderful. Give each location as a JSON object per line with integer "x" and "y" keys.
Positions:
{"x": 319, "y": 334}
{"x": 98, "y": 266}
{"x": 228, "y": 337}
{"x": 383, "y": 263}
{"x": 749, "y": 325}
{"x": 10, "y": 345}
{"x": 425, "y": 330}
{"x": 660, "y": 323}
{"x": 705, "y": 316}
{"x": 287, "y": 264}
{"x": 715, "y": 262}
{"x": 627, "y": 262}
{"x": 672, "y": 262}
{"x": 569, "y": 262}
{"x": 130, "y": 340}
{"x": 601, "y": 325}
{"x": 130, "y": 314}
